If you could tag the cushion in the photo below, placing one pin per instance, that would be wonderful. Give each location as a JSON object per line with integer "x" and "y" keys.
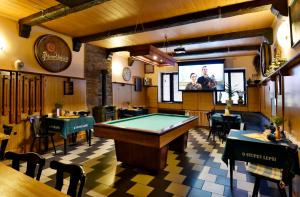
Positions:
{"x": 265, "y": 171}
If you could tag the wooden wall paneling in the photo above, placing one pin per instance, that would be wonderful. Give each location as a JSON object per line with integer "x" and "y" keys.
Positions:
{"x": 206, "y": 101}
{"x": 12, "y": 98}
{"x": 190, "y": 100}
{"x": 204, "y": 121}
{"x": 43, "y": 82}
{"x": 5, "y": 95}
{"x": 291, "y": 102}
{"x": 152, "y": 97}
{"x": 253, "y": 99}
{"x": 19, "y": 97}
{"x": 195, "y": 113}
{"x": 152, "y": 110}
{"x": 25, "y": 93}
{"x": 31, "y": 95}
{"x": 138, "y": 98}
{"x": 53, "y": 93}
{"x": 122, "y": 94}
{"x": 37, "y": 93}
{"x": 170, "y": 105}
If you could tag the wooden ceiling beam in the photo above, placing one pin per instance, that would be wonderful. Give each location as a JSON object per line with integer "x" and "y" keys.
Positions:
{"x": 73, "y": 3}
{"x": 53, "y": 13}
{"x": 266, "y": 33}
{"x": 218, "y": 50}
{"x": 214, "y": 13}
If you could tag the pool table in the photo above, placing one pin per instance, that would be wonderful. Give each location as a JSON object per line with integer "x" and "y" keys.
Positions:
{"x": 143, "y": 141}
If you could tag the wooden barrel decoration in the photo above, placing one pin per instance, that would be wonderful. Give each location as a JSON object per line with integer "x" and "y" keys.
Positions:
{"x": 52, "y": 53}
{"x": 265, "y": 57}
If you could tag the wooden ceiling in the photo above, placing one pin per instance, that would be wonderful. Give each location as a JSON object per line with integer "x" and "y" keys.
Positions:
{"x": 114, "y": 14}
{"x": 211, "y": 27}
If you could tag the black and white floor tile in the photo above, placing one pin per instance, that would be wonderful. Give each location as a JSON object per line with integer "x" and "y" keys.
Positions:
{"x": 199, "y": 171}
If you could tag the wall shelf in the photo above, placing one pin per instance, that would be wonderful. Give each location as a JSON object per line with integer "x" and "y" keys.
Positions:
{"x": 283, "y": 70}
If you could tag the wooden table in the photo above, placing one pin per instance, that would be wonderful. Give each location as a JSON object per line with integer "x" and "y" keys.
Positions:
{"x": 16, "y": 184}
{"x": 143, "y": 141}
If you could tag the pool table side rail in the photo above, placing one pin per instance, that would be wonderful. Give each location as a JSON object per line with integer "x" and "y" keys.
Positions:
{"x": 160, "y": 132}
{"x": 142, "y": 116}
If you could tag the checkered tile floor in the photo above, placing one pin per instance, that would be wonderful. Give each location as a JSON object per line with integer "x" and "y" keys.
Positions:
{"x": 199, "y": 171}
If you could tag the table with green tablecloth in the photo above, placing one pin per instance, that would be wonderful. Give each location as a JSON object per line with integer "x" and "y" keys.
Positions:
{"x": 69, "y": 126}
{"x": 278, "y": 154}
{"x": 218, "y": 117}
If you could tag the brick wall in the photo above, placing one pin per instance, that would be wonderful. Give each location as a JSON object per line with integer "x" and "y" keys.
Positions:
{"x": 94, "y": 62}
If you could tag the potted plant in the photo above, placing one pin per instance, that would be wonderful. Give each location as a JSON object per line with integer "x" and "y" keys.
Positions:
{"x": 240, "y": 94}
{"x": 278, "y": 121}
{"x": 230, "y": 91}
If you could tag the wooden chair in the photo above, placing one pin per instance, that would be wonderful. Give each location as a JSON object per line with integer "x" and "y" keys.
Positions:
{"x": 77, "y": 175}
{"x": 38, "y": 129}
{"x": 216, "y": 128}
{"x": 282, "y": 177}
{"x": 32, "y": 160}
{"x": 229, "y": 122}
{"x": 7, "y": 131}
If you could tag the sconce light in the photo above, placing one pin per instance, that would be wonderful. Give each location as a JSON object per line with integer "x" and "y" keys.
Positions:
{"x": 2, "y": 44}
{"x": 19, "y": 64}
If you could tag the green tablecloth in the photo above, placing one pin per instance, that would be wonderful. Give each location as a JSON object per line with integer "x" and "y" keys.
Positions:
{"x": 274, "y": 154}
{"x": 69, "y": 126}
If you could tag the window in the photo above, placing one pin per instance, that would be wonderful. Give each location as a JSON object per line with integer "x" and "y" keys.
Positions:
{"x": 169, "y": 88}
{"x": 236, "y": 82}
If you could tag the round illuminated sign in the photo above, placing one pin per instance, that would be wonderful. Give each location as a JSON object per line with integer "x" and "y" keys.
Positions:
{"x": 52, "y": 53}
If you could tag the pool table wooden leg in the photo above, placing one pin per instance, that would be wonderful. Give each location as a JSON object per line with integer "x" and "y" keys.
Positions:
{"x": 150, "y": 158}
{"x": 180, "y": 143}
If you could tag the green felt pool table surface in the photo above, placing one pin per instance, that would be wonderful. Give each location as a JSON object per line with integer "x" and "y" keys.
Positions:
{"x": 153, "y": 122}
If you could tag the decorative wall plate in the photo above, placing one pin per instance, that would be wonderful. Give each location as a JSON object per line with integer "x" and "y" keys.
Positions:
{"x": 52, "y": 53}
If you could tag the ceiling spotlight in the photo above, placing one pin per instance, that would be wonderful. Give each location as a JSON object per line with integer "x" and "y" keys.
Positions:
{"x": 179, "y": 50}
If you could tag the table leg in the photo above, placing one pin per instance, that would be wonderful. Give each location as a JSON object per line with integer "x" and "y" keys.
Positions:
{"x": 90, "y": 137}
{"x": 231, "y": 168}
{"x": 65, "y": 146}
{"x": 87, "y": 135}
{"x": 46, "y": 144}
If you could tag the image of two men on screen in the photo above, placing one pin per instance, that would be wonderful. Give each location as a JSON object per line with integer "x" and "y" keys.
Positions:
{"x": 201, "y": 77}
{"x": 201, "y": 83}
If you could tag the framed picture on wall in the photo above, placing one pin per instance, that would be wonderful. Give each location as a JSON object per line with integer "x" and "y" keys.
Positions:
{"x": 149, "y": 69}
{"x": 68, "y": 88}
{"x": 294, "y": 15}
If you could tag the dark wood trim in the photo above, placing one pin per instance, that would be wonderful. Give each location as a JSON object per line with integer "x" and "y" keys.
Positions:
{"x": 266, "y": 33}
{"x": 280, "y": 7}
{"x": 42, "y": 74}
{"x": 72, "y": 3}
{"x": 219, "y": 50}
{"x": 214, "y": 13}
{"x": 123, "y": 84}
{"x": 53, "y": 13}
